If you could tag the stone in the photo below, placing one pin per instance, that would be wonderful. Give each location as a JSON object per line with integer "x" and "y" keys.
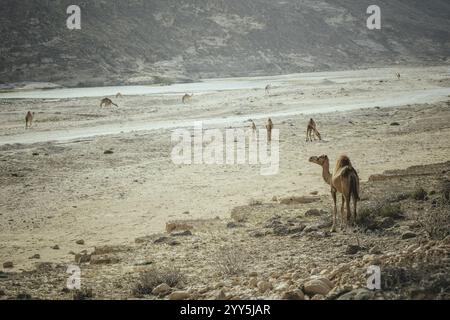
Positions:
{"x": 253, "y": 282}
{"x": 177, "y": 226}
{"x": 299, "y": 200}
{"x": 55, "y": 247}
{"x": 310, "y": 229}
{"x": 231, "y": 225}
{"x": 80, "y": 242}
{"x": 357, "y": 294}
{"x": 103, "y": 259}
{"x": 253, "y": 274}
{"x": 386, "y": 223}
{"x": 161, "y": 290}
{"x": 173, "y": 243}
{"x": 317, "y": 286}
{"x": 312, "y": 213}
{"x": 182, "y": 233}
{"x": 318, "y": 297}
{"x": 293, "y": 295}
{"x": 179, "y": 295}
{"x": 281, "y": 287}
{"x": 82, "y": 258}
{"x": 264, "y": 286}
{"x": 8, "y": 265}
{"x": 108, "y": 152}
{"x": 36, "y": 256}
{"x": 352, "y": 249}
{"x": 408, "y": 235}
{"x": 161, "y": 240}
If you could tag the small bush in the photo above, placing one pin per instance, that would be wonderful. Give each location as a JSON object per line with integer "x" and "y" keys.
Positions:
{"x": 391, "y": 211}
{"x": 229, "y": 260}
{"x": 436, "y": 221}
{"x": 419, "y": 194}
{"x": 154, "y": 277}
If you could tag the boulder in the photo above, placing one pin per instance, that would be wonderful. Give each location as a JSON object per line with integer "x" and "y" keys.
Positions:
{"x": 317, "y": 286}
{"x": 161, "y": 290}
{"x": 179, "y": 295}
{"x": 293, "y": 295}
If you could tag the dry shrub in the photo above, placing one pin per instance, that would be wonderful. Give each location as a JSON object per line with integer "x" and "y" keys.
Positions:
{"x": 150, "y": 279}
{"x": 436, "y": 221}
{"x": 229, "y": 260}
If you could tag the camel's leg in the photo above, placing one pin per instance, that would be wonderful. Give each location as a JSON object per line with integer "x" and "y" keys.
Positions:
{"x": 348, "y": 216}
{"x": 318, "y": 134}
{"x": 307, "y": 133}
{"x": 342, "y": 212}
{"x": 333, "y": 195}
{"x": 355, "y": 202}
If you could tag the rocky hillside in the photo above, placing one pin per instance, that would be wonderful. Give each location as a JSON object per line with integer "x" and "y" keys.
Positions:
{"x": 161, "y": 41}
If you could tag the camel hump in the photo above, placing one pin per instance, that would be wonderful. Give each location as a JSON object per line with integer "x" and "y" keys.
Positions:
{"x": 343, "y": 161}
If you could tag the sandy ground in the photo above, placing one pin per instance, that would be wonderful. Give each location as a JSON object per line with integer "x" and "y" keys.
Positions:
{"x": 58, "y": 186}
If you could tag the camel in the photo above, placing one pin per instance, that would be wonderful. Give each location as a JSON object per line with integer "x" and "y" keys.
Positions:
{"x": 29, "y": 119}
{"x": 398, "y": 75}
{"x": 311, "y": 131}
{"x": 187, "y": 98}
{"x": 119, "y": 95}
{"x": 268, "y": 87}
{"x": 253, "y": 127}
{"x": 107, "y": 103}
{"x": 269, "y": 127}
{"x": 344, "y": 180}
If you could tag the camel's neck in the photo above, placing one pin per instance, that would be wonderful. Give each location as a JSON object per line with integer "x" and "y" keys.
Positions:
{"x": 326, "y": 175}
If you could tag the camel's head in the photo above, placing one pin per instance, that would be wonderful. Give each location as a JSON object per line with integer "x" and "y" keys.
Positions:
{"x": 321, "y": 160}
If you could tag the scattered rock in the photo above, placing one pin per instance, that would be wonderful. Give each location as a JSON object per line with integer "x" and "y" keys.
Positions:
{"x": 408, "y": 235}
{"x": 36, "y": 256}
{"x": 317, "y": 286}
{"x": 395, "y": 124}
{"x": 314, "y": 193}
{"x": 82, "y": 258}
{"x": 179, "y": 295}
{"x": 352, "y": 249}
{"x": 80, "y": 242}
{"x": 313, "y": 213}
{"x": 298, "y": 200}
{"x": 386, "y": 223}
{"x": 375, "y": 250}
{"x": 161, "y": 240}
{"x": 232, "y": 225}
{"x": 310, "y": 229}
{"x": 274, "y": 199}
{"x": 293, "y": 295}
{"x": 55, "y": 247}
{"x": 264, "y": 286}
{"x": 177, "y": 226}
{"x": 2, "y": 293}
{"x": 8, "y": 265}
{"x": 253, "y": 282}
{"x": 173, "y": 243}
{"x": 161, "y": 290}
{"x": 108, "y": 152}
{"x": 182, "y": 233}
{"x": 357, "y": 294}
{"x": 103, "y": 259}
{"x": 83, "y": 294}
{"x": 23, "y": 296}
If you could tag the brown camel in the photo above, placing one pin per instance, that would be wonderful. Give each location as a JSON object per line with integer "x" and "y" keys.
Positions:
{"x": 344, "y": 180}
{"x": 269, "y": 127}
{"x": 268, "y": 87}
{"x": 29, "y": 119}
{"x": 107, "y": 103}
{"x": 398, "y": 75}
{"x": 187, "y": 98}
{"x": 311, "y": 131}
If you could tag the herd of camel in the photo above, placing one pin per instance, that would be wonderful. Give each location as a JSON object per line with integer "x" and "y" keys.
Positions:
{"x": 343, "y": 180}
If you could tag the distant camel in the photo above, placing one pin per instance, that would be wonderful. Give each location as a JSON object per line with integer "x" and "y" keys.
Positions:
{"x": 311, "y": 131}
{"x": 398, "y": 75}
{"x": 268, "y": 87}
{"x": 107, "y": 103}
{"x": 269, "y": 127}
{"x": 344, "y": 180}
{"x": 29, "y": 119}
{"x": 253, "y": 126}
{"x": 187, "y": 98}
{"x": 119, "y": 95}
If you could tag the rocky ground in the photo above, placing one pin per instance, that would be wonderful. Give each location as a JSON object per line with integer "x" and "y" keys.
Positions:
{"x": 276, "y": 249}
